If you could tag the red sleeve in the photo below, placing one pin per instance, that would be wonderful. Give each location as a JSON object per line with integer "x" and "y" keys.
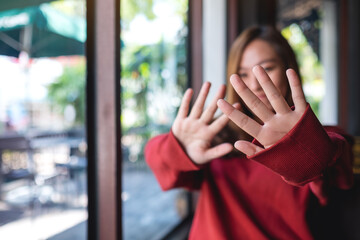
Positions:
{"x": 307, "y": 152}
{"x": 339, "y": 174}
{"x": 170, "y": 164}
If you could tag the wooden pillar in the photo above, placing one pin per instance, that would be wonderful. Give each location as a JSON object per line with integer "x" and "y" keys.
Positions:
{"x": 343, "y": 63}
{"x": 195, "y": 47}
{"x": 353, "y": 85}
{"x": 103, "y": 119}
{"x": 242, "y": 14}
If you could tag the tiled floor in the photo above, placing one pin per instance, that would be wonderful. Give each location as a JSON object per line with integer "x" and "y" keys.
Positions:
{"x": 148, "y": 213}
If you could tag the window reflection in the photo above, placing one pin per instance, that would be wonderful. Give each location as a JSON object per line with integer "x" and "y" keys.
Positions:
{"x": 154, "y": 76}
{"x": 301, "y": 25}
{"x": 42, "y": 141}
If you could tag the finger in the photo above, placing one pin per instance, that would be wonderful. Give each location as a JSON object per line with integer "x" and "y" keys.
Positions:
{"x": 218, "y": 151}
{"x": 209, "y": 112}
{"x": 250, "y": 99}
{"x": 185, "y": 104}
{"x": 237, "y": 106}
{"x": 200, "y": 101}
{"x": 276, "y": 99}
{"x": 221, "y": 122}
{"x": 297, "y": 92}
{"x": 240, "y": 119}
{"x": 247, "y": 147}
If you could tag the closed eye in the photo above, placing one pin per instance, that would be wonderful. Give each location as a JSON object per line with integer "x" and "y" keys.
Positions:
{"x": 268, "y": 69}
{"x": 242, "y": 75}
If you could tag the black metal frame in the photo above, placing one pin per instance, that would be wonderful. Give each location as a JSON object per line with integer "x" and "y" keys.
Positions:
{"x": 92, "y": 227}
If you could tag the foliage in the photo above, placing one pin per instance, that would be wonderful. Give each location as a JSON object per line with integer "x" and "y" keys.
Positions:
{"x": 69, "y": 89}
{"x": 70, "y": 7}
{"x": 149, "y": 70}
{"x": 130, "y": 8}
{"x": 145, "y": 74}
{"x": 310, "y": 67}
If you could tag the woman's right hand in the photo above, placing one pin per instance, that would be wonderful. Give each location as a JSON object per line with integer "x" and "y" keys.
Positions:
{"x": 196, "y": 130}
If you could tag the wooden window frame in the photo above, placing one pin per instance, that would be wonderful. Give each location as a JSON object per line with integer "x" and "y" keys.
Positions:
{"x": 103, "y": 126}
{"x": 103, "y": 119}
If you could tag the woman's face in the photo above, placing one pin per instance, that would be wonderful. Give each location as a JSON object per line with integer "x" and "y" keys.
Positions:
{"x": 259, "y": 52}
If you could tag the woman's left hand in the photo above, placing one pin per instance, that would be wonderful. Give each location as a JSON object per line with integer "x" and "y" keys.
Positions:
{"x": 277, "y": 122}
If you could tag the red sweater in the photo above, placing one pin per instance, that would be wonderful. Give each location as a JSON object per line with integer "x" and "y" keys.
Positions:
{"x": 264, "y": 196}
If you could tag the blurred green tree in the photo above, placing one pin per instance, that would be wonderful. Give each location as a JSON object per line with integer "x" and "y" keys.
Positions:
{"x": 69, "y": 89}
{"x": 310, "y": 66}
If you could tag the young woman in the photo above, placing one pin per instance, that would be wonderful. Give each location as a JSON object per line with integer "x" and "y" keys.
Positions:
{"x": 283, "y": 156}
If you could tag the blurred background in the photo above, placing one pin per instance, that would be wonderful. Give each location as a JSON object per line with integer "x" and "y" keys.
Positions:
{"x": 51, "y": 167}
{"x": 43, "y": 189}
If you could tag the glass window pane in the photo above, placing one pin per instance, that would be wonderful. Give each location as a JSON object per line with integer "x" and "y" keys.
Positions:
{"x": 311, "y": 32}
{"x": 43, "y": 188}
{"x": 154, "y": 76}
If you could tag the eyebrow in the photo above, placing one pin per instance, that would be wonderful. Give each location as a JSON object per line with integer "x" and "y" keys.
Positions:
{"x": 262, "y": 62}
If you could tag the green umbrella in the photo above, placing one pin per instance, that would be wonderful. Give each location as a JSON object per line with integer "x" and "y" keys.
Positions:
{"x": 6, "y": 5}
{"x": 41, "y": 31}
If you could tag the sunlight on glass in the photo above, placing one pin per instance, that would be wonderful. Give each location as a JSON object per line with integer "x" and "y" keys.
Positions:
{"x": 310, "y": 67}
{"x": 154, "y": 76}
{"x": 43, "y": 193}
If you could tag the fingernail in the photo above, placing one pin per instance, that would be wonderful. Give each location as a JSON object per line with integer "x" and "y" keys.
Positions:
{"x": 256, "y": 67}
{"x": 205, "y": 84}
{"x": 235, "y": 105}
{"x": 221, "y": 102}
{"x": 233, "y": 78}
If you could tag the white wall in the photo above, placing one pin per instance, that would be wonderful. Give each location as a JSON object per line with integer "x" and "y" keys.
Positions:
{"x": 214, "y": 43}
{"x": 328, "y": 42}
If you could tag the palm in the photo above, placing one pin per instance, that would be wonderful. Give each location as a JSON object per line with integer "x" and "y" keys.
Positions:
{"x": 277, "y": 123}
{"x": 276, "y": 128}
{"x": 196, "y": 137}
{"x": 196, "y": 130}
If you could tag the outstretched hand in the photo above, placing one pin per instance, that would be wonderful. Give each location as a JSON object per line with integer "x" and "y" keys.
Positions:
{"x": 277, "y": 122}
{"x": 196, "y": 130}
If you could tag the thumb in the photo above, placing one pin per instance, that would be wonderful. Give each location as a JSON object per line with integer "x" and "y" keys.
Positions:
{"x": 218, "y": 151}
{"x": 247, "y": 147}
